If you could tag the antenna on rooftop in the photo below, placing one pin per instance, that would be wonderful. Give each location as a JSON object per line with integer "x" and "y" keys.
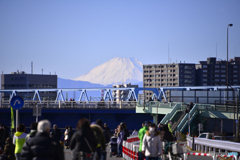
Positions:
{"x": 31, "y": 67}
{"x": 42, "y": 70}
{"x": 168, "y": 52}
{"x": 216, "y": 50}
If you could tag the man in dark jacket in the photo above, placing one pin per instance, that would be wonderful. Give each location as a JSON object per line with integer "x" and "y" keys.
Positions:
{"x": 126, "y": 131}
{"x": 56, "y": 133}
{"x": 42, "y": 146}
{"x": 106, "y": 135}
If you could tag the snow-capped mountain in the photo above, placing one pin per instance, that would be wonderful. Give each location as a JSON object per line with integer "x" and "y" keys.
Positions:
{"x": 115, "y": 71}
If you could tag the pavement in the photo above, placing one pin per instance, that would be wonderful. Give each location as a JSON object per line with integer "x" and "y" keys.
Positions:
{"x": 67, "y": 153}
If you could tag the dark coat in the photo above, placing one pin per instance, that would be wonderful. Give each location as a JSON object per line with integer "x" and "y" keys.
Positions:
{"x": 106, "y": 134}
{"x": 42, "y": 147}
{"x": 166, "y": 135}
{"x": 78, "y": 142}
{"x": 127, "y": 134}
{"x": 70, "y": 134}
{"x": 9, "y": 149}
{"x": 56, "y": 134}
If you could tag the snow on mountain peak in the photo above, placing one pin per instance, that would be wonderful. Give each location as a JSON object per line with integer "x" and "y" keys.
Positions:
{"x": 115, "y": 71}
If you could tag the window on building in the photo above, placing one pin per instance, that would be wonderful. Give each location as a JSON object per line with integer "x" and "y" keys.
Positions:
{"x": 216, "y": 66}
{"x": 223, "y": 75}
{"x": 217, "y": 71}
{"x": 204, "y": 66}
{"x": 223, "y": 71}
{"x": 235, "y": 66}
{"x": 223, "y": 66}
{"x": 204, "y": 71}
{"x": 216, "y": 75}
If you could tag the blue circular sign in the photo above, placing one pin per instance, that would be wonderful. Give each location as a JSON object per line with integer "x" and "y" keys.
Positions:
{"x": 17, "y": 102}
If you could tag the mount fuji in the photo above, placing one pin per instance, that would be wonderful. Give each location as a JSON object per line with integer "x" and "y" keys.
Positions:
{"x": 115, "y": 71}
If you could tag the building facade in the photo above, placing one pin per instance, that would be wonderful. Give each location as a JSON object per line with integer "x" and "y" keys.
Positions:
{"x": 119, "y": 95}
{"x": 214, "y": 73}
{"x": 21, "y": 80}
{"x": 168, "y": 75}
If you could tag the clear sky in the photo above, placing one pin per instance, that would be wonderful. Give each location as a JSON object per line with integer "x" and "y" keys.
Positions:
{"x": 71, "y": 37}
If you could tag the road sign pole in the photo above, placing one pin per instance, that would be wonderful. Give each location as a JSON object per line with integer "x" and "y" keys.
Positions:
{"x": 36, "y": 113}
{"x": 16, "y": 119}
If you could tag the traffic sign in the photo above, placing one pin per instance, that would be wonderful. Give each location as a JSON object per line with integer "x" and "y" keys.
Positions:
{"x": 17, "y": 102}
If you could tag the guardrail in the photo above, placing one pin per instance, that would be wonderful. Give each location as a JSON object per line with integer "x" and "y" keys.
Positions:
{"x": 209, "y": 145}
{"x": 77, "y": 104}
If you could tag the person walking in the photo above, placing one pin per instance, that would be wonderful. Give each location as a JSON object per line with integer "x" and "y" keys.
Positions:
{"x": 56, "y": 133}
{"x": 166, "y": 136}
{"x": 106, "y": 127}
{"x": 66, "y": 138}
{"x": 9, "y": 149}
{"x": 120, "y": 140}
{"x": 2, "y": 136}
{"x": 152, "y": 144}
{"x": 33, "y": 131}
{"x": 126, "y": 131}
{"x": 70, "y": 134}
{"x": 19, "y": 140}
{"x": 83, "y": 143}
{"x": 41, "y": 146}
{"x": 141, "y": 134}
{"x": 135, "y": 132}
{"x": 106, "y": 135}
{"x": 98, "y": 132}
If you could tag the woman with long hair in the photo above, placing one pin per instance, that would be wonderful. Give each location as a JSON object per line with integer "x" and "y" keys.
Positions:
{"x": 83, "y": 142}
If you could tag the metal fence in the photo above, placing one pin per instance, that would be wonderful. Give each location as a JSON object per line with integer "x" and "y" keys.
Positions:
{"x": 76, "y": 104}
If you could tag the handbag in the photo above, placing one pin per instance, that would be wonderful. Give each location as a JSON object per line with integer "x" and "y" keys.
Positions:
{"x": 87, "y": 155}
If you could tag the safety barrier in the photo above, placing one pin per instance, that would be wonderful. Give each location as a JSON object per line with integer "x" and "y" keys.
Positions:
{"x": 130, "y": 148}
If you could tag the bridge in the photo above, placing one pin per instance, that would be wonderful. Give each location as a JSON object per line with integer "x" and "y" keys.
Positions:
{"x": 158, "y": 93}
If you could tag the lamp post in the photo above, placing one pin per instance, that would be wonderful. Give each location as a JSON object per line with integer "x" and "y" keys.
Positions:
{"x": 229, "y": 25}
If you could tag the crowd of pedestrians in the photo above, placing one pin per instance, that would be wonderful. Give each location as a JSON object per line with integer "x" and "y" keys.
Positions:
{"x": 41, "y": 143}
{"x": 87, "y": 143}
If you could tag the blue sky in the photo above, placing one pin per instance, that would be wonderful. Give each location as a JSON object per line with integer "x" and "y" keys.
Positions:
{"x": 72, "y": 37}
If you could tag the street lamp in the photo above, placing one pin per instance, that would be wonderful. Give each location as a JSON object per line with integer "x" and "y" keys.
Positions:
{"x": 229, "y": 25}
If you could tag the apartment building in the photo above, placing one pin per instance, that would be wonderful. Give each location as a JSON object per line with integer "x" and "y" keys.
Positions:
{"x": 168, "y": 75}
{"x": 119, "y": 95}
{"x": 214, "y": 73}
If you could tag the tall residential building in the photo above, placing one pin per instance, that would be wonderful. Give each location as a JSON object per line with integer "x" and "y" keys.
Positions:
{"x": 21, "y": 80}
{"x": 119, "y": 95}
{"x": 214, "y": 73}
{"x": 168, "y": 75}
